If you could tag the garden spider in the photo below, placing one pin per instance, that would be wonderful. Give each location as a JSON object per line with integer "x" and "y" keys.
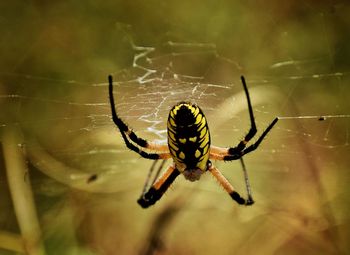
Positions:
{"x": 189, "y": 147}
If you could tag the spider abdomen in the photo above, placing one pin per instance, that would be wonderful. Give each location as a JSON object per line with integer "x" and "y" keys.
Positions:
{"x": 188, "y": 138}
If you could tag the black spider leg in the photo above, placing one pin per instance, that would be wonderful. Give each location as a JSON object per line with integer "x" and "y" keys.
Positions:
{"x": 237, "y": 154}
{"x": 250, "y": 200}
{"x": 124, "y": 130}
{"x": 147, "y": 182}
{"x": 252, "y": 131}
{"x": 238, "y": 151}
{"x": 159, "y": 188}
{"x": 139, "y": 141}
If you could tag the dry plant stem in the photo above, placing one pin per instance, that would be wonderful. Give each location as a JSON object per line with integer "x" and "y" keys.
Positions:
{"x": 61, "y": 172}
{"x": 12, "y": 242}
{"x": 154, "y": 244}
{"x": 21, "y": 193}
{"x": 332, "y": 232}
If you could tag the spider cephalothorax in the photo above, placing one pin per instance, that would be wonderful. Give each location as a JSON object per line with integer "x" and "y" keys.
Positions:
{"x": 189, "y": 147}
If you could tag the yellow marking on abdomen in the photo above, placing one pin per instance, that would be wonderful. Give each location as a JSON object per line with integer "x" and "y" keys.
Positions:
{"x": 204, "y": 142}
{"x": 170, "y": 127}
{"x": 173, "y": 145}
{"x": 203, "y": 132}
{"x": 182, "y": 155}
{"x": 205, "y": 150}
{"x": 173, "y": 152}
{"x": 197, "y": 154}
{"x": 172, "y": 136}
{"x": 172, "y": 122}
{"x": 198, "y": 119}
{"x": 193, "y": 139}
{"x": 182, "y": 140}
{"x": 202, "y": 164}
{"x": 203, "y": 122}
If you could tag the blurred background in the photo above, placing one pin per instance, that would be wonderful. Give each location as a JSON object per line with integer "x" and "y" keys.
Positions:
{"x": 69, "y": 185}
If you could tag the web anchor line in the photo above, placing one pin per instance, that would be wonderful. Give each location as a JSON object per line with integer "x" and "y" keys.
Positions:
{"x": 318, "y": 117}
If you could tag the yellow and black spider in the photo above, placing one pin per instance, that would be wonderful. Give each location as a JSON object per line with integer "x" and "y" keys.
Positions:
{"x": 189, "y": 147}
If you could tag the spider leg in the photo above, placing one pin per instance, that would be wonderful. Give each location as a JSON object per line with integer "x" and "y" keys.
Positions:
{"x": 247, "y": 184}
{"x": 127, "y": 132}
{"x": 233, "y": 153}
{"x": 237, "y": 153}
{"x": 252, "y": 131}
{"x": 260, "y": 139}
{"x": 228, "y": 187}
{"x": 218, "y": 153}
{"x": 158, "y": 188}
{"x": 147, "y": 182}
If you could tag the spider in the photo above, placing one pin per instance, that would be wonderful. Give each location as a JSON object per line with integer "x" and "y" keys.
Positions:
{"x": 189, "y": 147}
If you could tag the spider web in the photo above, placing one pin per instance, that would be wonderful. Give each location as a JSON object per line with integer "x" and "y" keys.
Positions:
{"x": 61, "y": 122}
{"x": 156, "y": 81}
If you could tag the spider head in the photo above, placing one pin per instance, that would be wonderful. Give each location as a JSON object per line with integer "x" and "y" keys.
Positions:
{"x": 192, "y": 174}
